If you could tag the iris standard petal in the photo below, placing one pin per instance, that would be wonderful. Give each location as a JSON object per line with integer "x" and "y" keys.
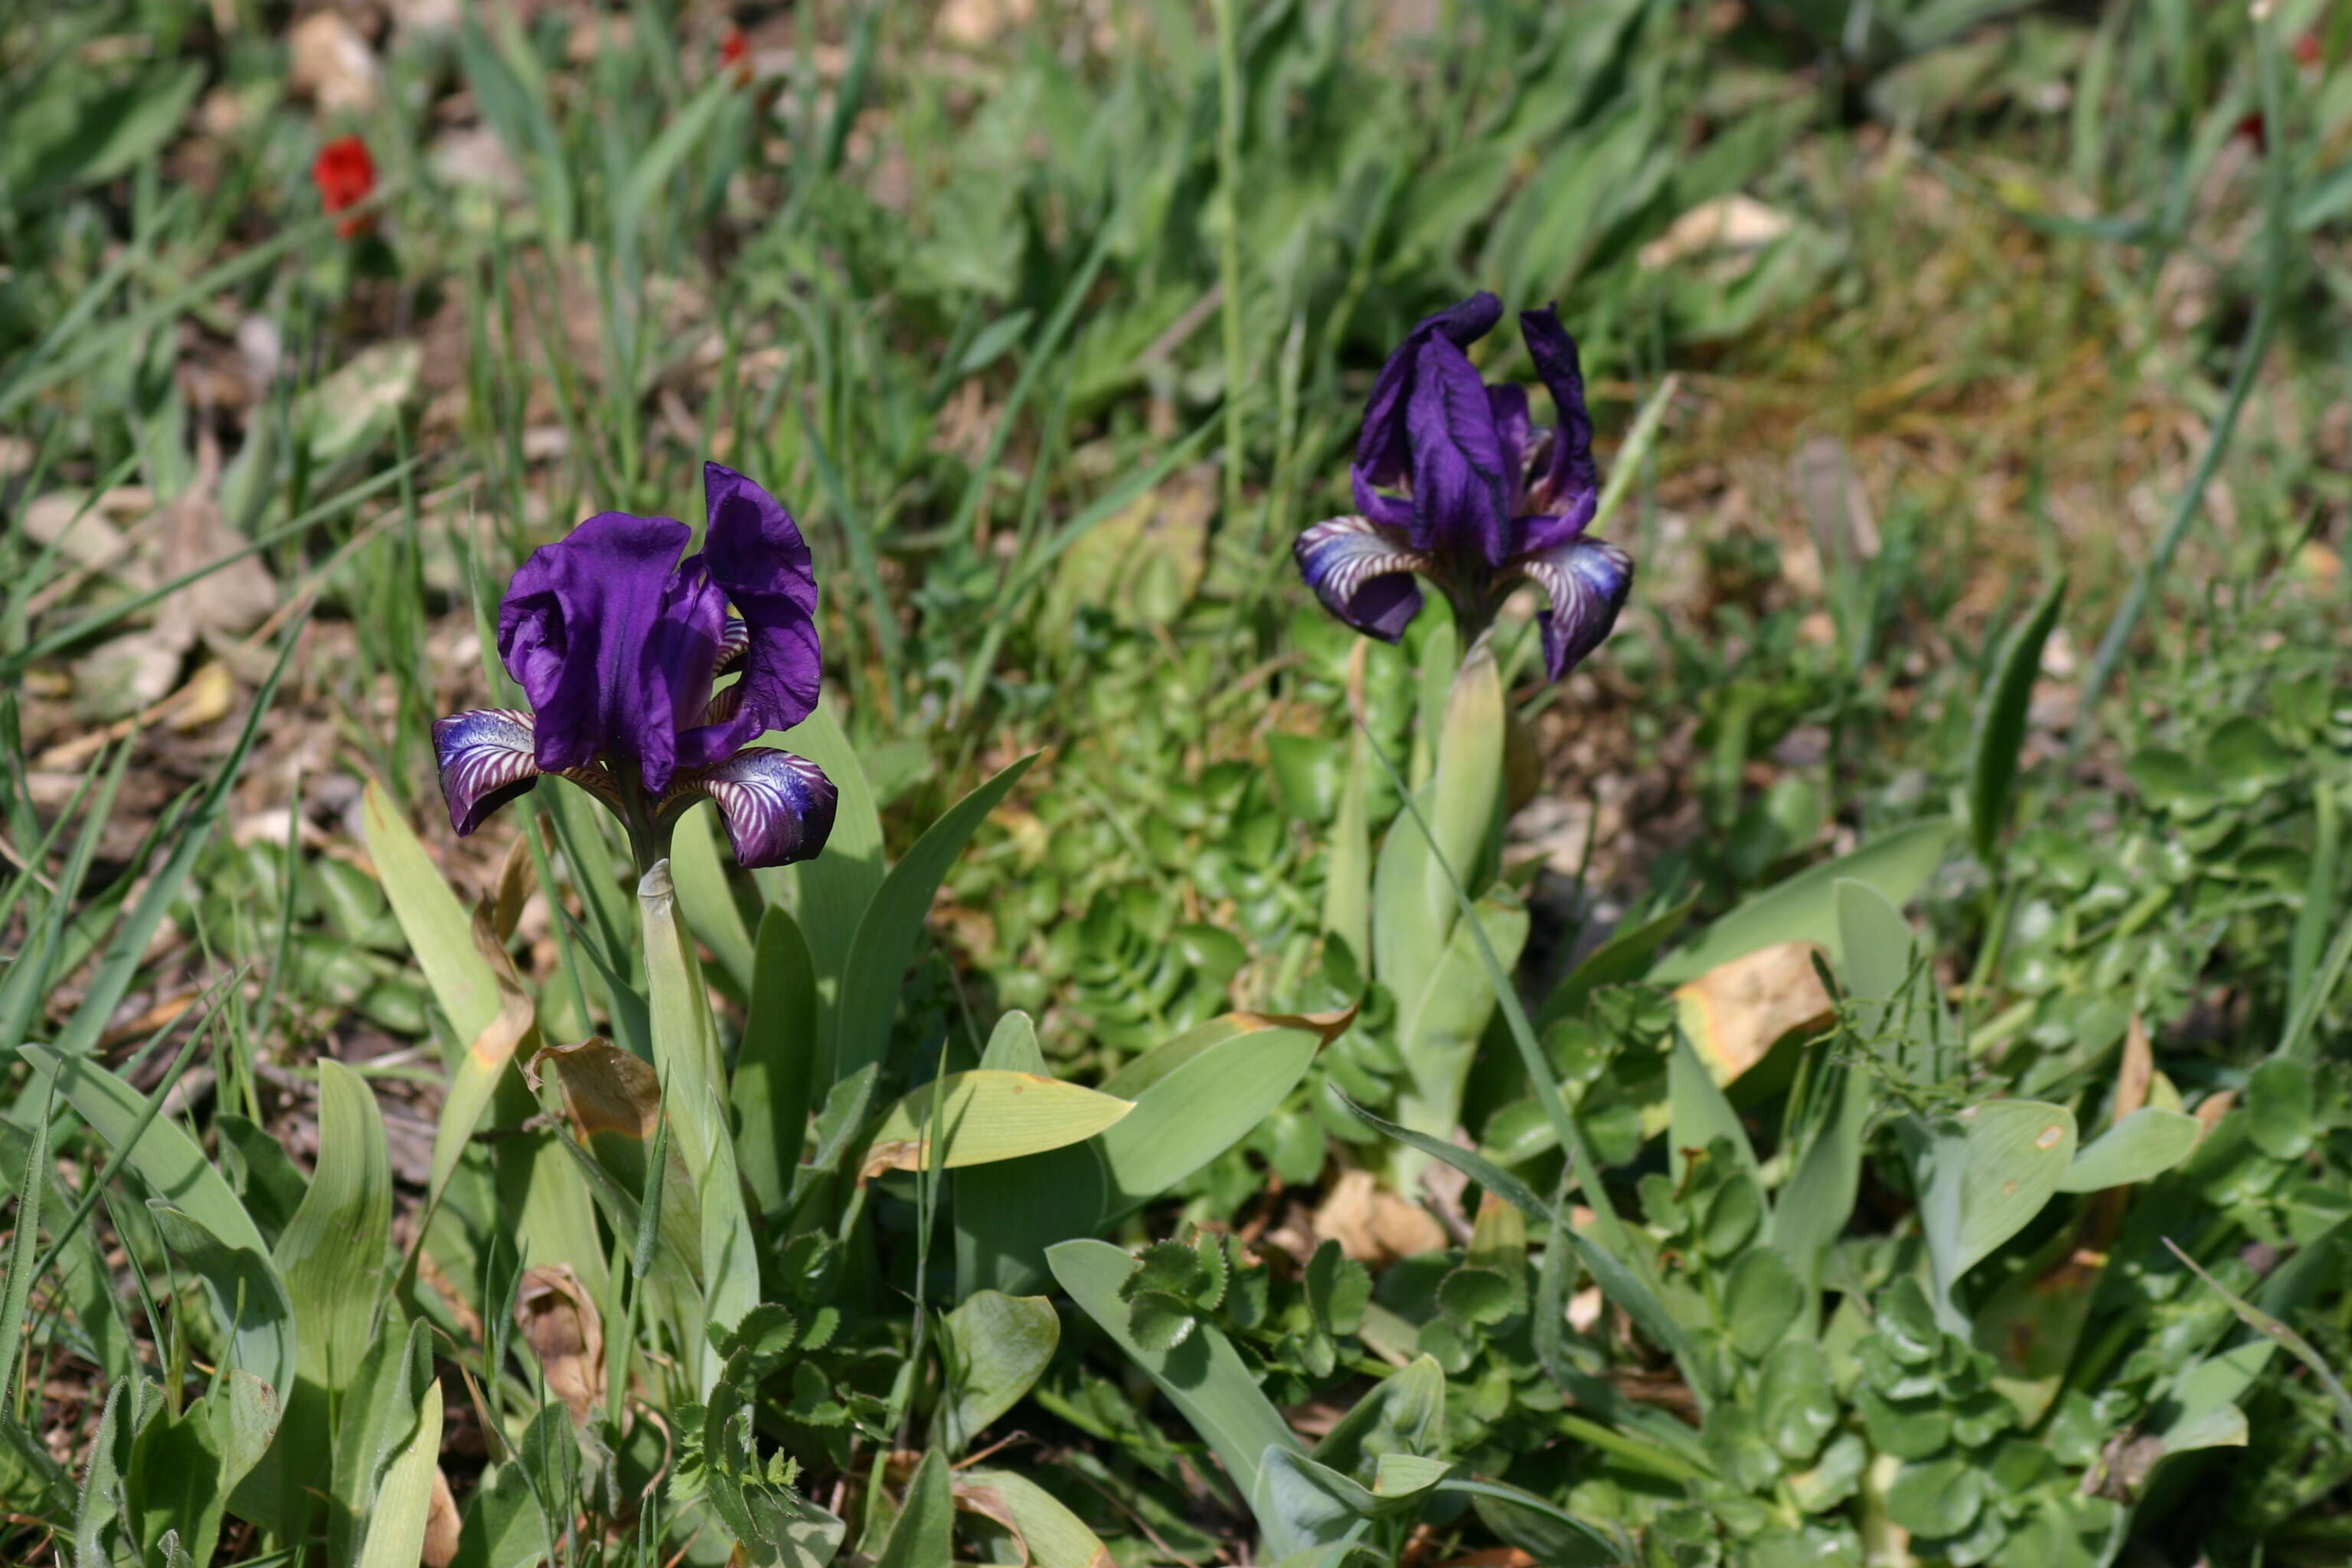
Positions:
{"x": 1461, "y": 504}
{"x": 486, "y": 760}
{"x": 1384, "y": 449}
{"x": 1363, "y": 573}
{"x": 777, "y": 807}
{"x": 682, "y": 657}
{"x": 601, "y": 631}
{"x": 1571, "y": 473}
{"x": 1389, "y": 511}
{"x": 1586, "y": 581}
{"x": 756, "y": 553}
{"x": 1515, "y": 437}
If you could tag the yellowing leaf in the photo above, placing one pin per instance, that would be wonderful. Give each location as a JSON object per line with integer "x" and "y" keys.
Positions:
{"x": 987, "y": 1116}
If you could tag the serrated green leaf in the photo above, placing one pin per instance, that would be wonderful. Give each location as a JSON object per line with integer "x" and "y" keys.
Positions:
{"x": 1474, "y": 1296}
{"x": 1160, "y": 1319}
{"x": 1339, "y": 1289}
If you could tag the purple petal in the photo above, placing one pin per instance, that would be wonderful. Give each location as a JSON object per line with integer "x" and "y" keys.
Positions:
{"x": 1572, "y": 474}
{"x": 1515, "y": 436}
{"x": 1460, "y": 496}
{"x": 485, "y": 761}
{"x": 777, "y": 807}
{"x": 757, "y": 554}
{"x": 1363, "y": 571}
{"x": 1586, "y": 581}
{"x": 487, "y": 758}
{"x": 1384, "y": 449}
{"x": 1389, "y": 511}
{"x": 614, "y": 641}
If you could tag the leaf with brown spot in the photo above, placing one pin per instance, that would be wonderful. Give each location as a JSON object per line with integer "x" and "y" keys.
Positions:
{"x": 1325, "y": 1026}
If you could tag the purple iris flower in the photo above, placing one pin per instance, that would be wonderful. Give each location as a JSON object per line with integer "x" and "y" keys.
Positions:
{"x": 616, "y": 643}
{"x": 1455, "y": 483}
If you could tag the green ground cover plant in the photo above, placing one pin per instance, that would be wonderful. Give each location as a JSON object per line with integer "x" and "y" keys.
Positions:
{"x": 1787, "y": 1009}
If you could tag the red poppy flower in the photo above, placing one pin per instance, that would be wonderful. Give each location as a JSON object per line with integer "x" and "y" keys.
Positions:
{"x": 2255, "y": 130}
{"x": 345, "y": 176}
{"x": 735, "y": 56}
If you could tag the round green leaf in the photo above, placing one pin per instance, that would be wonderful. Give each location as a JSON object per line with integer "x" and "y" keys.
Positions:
{"x": 2278, "y": 1107}
{"x": 1796, "y": 1398}
{"x": 1937, "y": 1497}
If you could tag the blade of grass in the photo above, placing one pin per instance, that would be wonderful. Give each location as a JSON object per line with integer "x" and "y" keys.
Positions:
{"x": 119, "y": 967}
{"x": 13, "y": 665}
{"x": 31, "y": 377}
{"x": 2277, "y": 164}
{"x": 18, "y": 1293}
{"x": 2262, "y": 1323}
{"x": 1229, "y": 245}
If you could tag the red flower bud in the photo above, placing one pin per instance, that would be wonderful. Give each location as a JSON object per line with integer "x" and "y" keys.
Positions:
{"x": 735, "y": 56}
{"x": 345, "y": 176}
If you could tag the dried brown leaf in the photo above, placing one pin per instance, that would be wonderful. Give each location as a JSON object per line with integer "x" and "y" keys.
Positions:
{"x": 1373, "y": 1224}
{"x": 605, "y": 1088}
{"x": 559, "y": 1322}
{"x": 1734, "y": 1012}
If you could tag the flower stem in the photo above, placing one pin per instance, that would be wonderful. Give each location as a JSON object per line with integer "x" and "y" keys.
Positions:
{"x": 650, "y": 833}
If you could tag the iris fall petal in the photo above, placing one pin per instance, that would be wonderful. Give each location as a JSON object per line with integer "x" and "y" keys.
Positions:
{"x": 1586, "y": 581}
{"x": 777, "y": 807}
{"x": 1363, "y": 571}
